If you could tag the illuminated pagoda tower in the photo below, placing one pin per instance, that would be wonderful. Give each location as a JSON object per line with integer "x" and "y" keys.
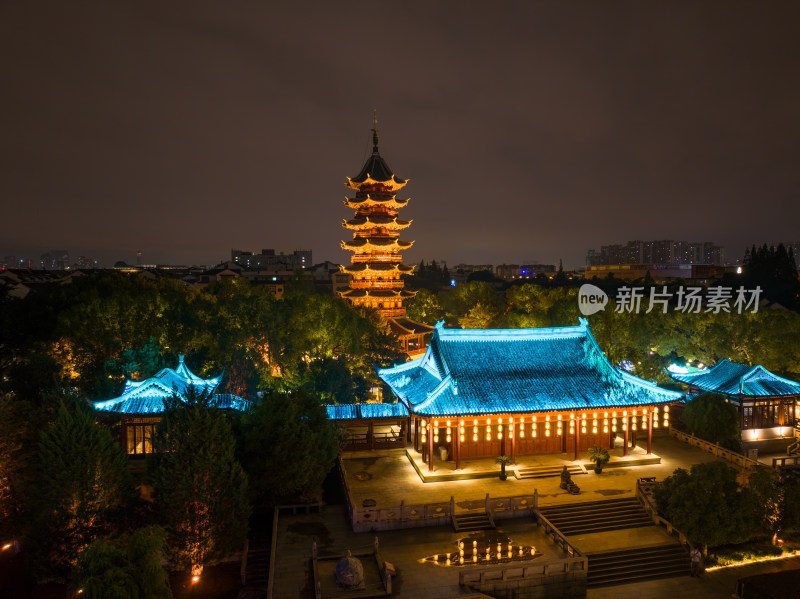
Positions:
{"x": 376, "y": 265}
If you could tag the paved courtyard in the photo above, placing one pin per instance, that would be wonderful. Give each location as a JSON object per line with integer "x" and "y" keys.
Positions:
{"x": 387, "y": 477}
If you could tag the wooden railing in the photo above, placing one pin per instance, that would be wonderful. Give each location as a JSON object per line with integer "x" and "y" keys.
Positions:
{"x": 356, "y": 441}
{"x": 558, "y": 538}
{"x": 726, "y": 454}
{"x": 510, "y": 573}
{"x": 644, "y": 493}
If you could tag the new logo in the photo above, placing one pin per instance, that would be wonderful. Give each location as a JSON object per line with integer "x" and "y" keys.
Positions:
{"x": 591, "y": 299}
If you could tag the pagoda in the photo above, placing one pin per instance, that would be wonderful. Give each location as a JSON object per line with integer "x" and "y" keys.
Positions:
{"x": 376, "y": 265}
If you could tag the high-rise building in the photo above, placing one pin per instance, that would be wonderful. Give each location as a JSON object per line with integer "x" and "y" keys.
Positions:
{"x": 269, "y": 260}
{"x": 664, "y": 252}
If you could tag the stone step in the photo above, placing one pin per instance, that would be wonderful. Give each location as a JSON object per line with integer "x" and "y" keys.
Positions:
{"x": 633, "y": 565}
{"x": 547, "y": 471}
{"x": 469, "y": 522}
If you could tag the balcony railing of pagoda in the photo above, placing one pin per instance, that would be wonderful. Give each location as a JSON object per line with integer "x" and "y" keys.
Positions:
{"x": 373, "y": 284}
{"x": 393, "y": 312}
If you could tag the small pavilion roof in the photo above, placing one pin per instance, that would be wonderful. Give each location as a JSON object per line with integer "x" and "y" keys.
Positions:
{"x": 403, "y": 325}
{"x": 730, "y": 378}
{"x": 499, "y": 371}
{"x": 147, "y": 397}
{"x": 356, "y": 411}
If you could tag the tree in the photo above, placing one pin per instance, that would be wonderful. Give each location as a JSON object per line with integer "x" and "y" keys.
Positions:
{"x": 424, "y": 307}
{"x": 125, "y": 568}
{"x": 200, "y": 489}
{"x": 82, "y": 480}
{"x": 767, "y": 490}
{"x": 504, "y": 461}
{"x": 711, "y": 417}
{"x": 707, "y": 504}
{"x": 600, "y": 457}
{"x": 288, "y": 431}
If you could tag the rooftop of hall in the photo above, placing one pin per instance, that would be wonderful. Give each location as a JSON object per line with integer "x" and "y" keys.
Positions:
{"x": 732, "y": 379}
{"x": 500, "y": 371}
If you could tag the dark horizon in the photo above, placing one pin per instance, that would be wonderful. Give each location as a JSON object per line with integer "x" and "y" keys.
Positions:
{"x": 532, "y": 133}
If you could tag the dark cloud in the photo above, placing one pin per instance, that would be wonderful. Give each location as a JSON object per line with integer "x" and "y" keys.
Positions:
{"x": 528, "y": 130}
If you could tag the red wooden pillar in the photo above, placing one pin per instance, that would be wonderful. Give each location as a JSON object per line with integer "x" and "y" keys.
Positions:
{"x": 430, "y": 447}
{"x": 650, "y": 432}
{"x": 416, "y": 434}
{"x": 371, "y": 436}
{"x": 511, "y": 430}
{"x": 577, "y": 436}
{"x": 627, "y": 428}
{"x": 458, "y": 447}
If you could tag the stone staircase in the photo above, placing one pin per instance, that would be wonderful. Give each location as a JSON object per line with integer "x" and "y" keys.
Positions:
{"x": 597, "y": 516}
{"x": 472, "y": 521}
{"x": 258, "y": 553}
{"x": 547, "y": 471}
{"x": 635, "y": 565}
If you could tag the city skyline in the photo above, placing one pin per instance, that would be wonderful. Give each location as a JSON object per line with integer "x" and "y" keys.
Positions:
{"x": 528, "y": 135}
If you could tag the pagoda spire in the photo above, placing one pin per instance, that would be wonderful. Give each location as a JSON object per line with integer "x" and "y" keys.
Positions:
{"x": 374, "y": 130}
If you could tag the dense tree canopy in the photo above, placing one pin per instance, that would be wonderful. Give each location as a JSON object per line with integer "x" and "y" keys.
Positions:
{"x": 199, "y": 486}
{"x": 707, "y": 504}
{"x": 125, "y": 568}
{"x": 711, "y": 417}
{"x": 81, "y": 481}
{"x": 288, "y": 433}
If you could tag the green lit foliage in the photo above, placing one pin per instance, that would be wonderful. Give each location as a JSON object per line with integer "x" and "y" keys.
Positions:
{"x": 473, "y": 305}
{"x": 707, "y": 504}
{"x": 200, "y": 489}
{"x": 768, "y": 493}
{"x": 790, "y": 508}
{"x": 82, "y": 481}
{"x": 424, "y": 307}
{"x": 125, "y": 568}
{"x": 599, "y": 456}
{"x": 711, "y": 417}
{"x": 289, "y": 446}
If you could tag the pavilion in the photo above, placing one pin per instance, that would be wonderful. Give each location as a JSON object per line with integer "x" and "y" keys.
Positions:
{"x": 142, "y": 402}
{"x": 767, "y": 403}
{"x": 484, "y": 392}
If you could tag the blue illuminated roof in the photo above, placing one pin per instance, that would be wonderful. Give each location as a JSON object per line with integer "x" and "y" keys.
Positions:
{"x": 734, "y": 379}
{"x": 499, "y": 371}
{"x": 356, "y": 411}
{"x": 147, "y": 397}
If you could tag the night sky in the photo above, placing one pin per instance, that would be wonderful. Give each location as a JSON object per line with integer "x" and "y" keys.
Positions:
{"x": 529, "y": 131}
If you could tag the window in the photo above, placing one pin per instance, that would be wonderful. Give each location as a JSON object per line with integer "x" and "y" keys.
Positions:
{"x": 139, "y": 438}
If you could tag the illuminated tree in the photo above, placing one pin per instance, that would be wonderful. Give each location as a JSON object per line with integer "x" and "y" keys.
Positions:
{"x": 768, "y": 492}
{"x": 82, "y": 480}
{"x": 707, "y": 504}
{"x": 125, "y": 568}
{"x": 200, "y": 489}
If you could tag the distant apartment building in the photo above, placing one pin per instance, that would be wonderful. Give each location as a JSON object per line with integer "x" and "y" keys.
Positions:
{"x": 460, "y": 272}
{"x": 54, "y": 260}
{"x": 269, "y": 260}
{"x": 664, "y": 252}
{"x": 523, "y": 271}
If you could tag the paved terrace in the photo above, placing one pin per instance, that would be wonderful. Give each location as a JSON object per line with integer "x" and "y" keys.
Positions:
{"x": 387, "y": 477}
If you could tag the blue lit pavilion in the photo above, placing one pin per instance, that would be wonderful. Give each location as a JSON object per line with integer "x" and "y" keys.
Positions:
{"x": 483, "y": 392}
{"x": 142, "y": 402}
{"x": 767, "y": 403}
